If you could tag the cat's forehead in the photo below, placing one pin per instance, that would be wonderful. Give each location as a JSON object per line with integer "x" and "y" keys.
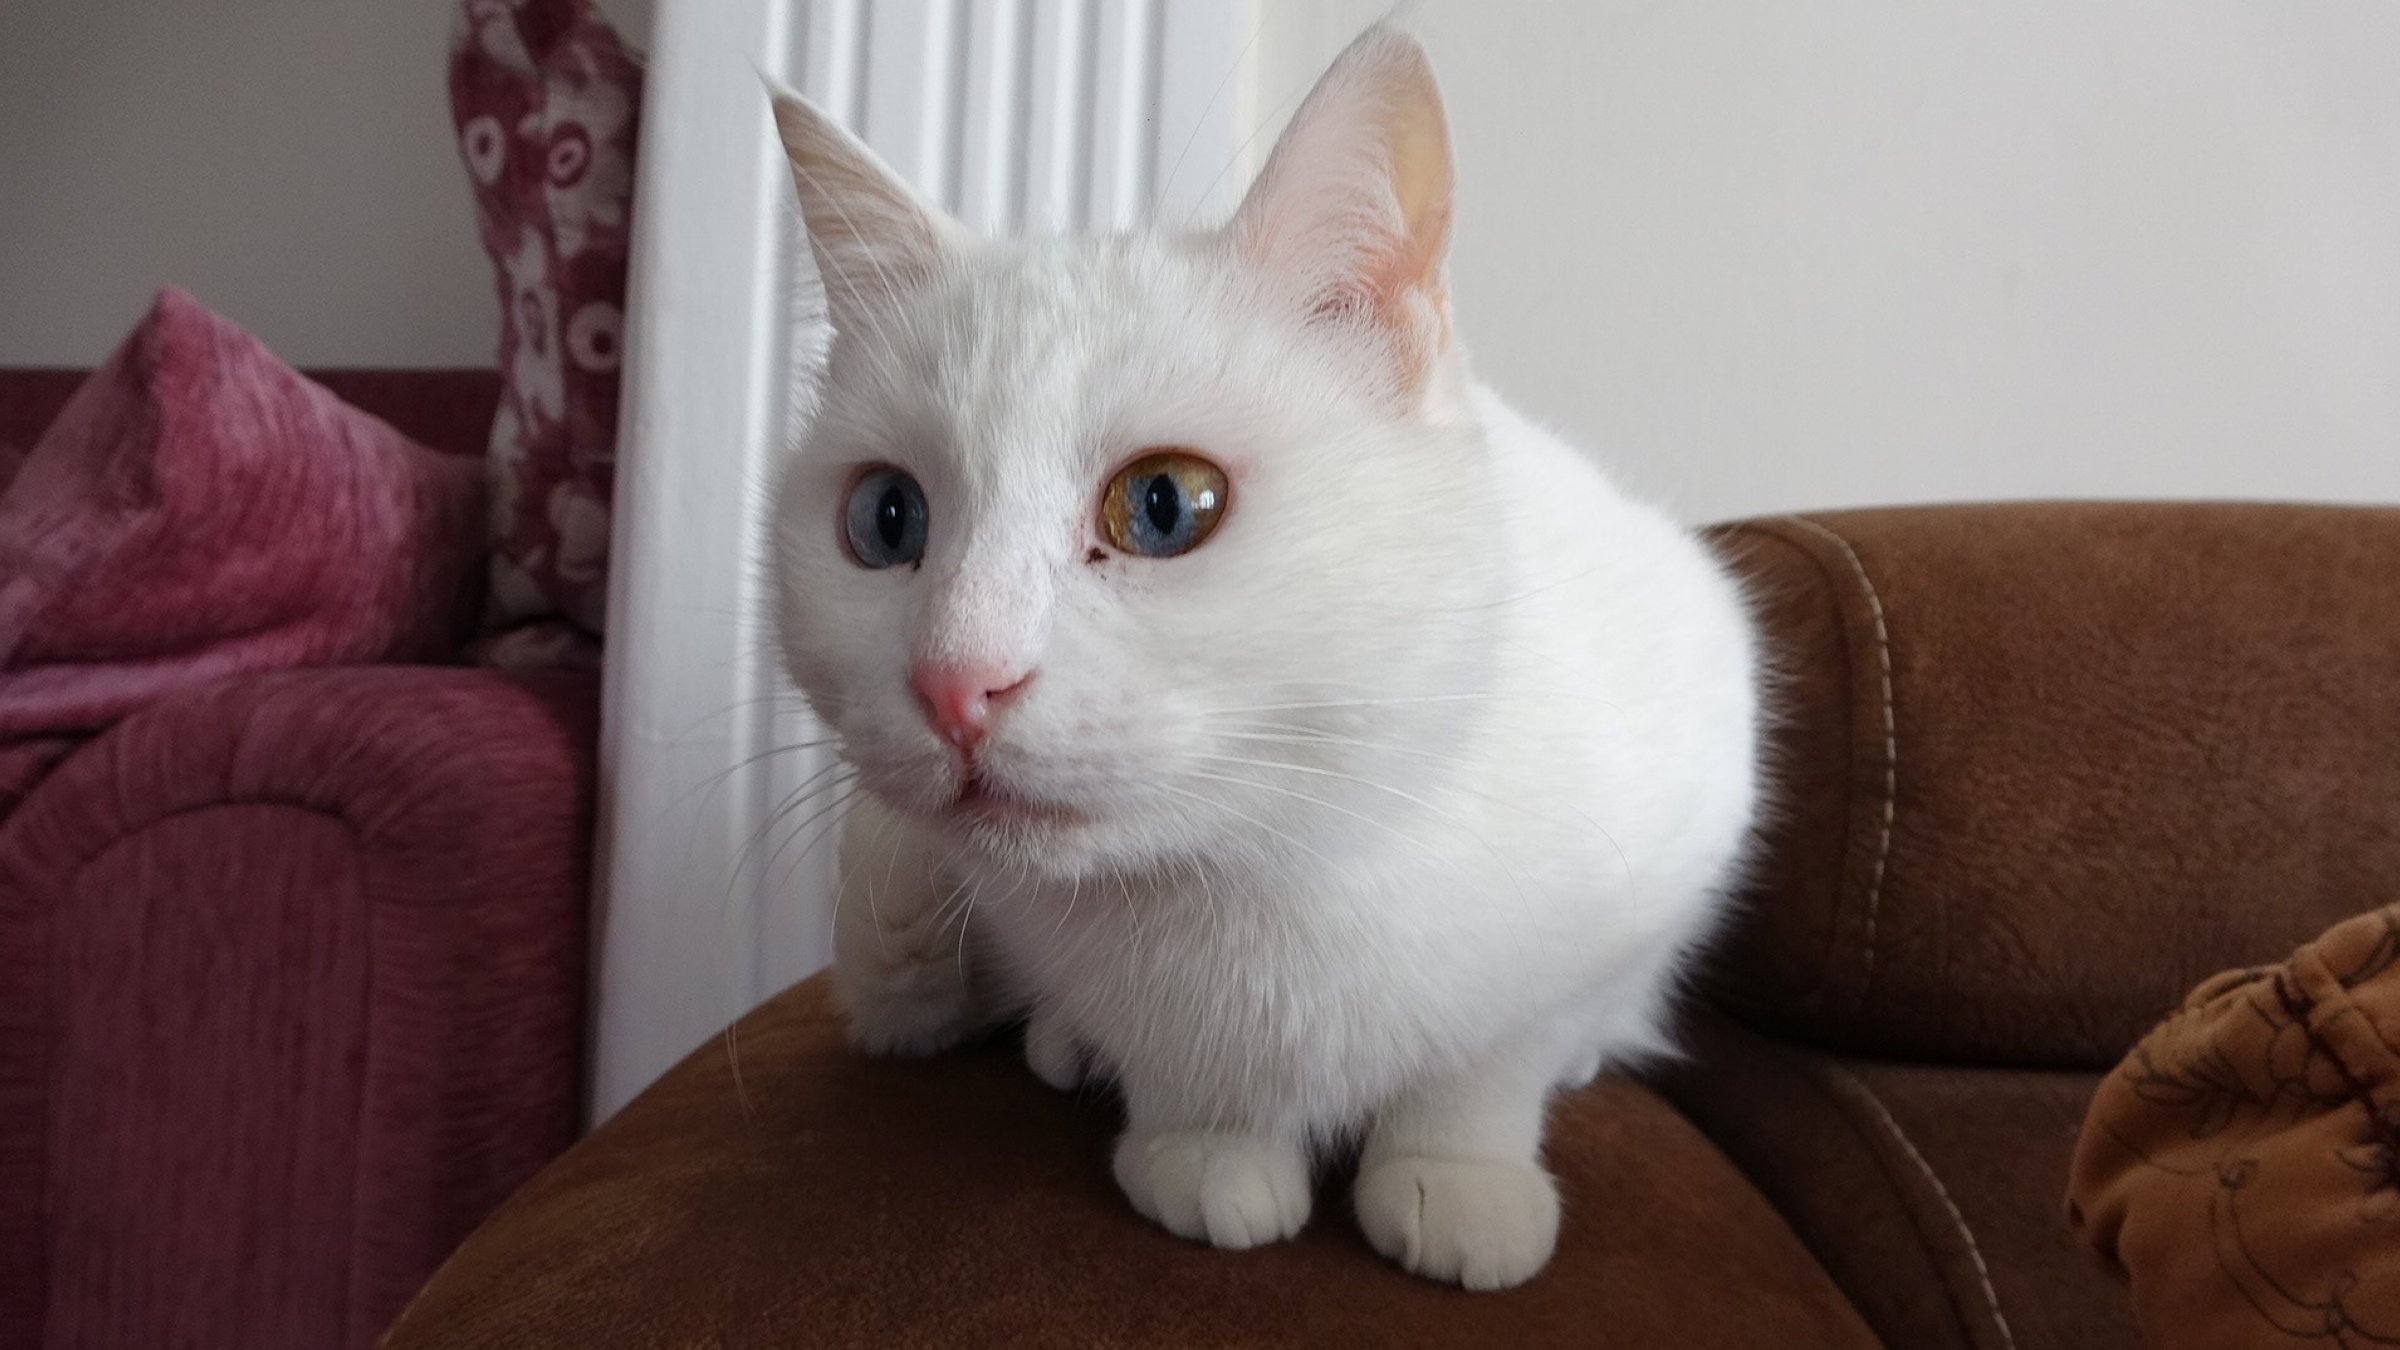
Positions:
{"x": 1062, "y": 275}
{"x": 1046, "y": 304}
{"x": 1038, "y": 348}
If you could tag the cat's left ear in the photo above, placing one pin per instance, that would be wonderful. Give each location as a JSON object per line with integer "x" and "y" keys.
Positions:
{"x": 872, "y": 236}
{"x": 1353, "y": 207}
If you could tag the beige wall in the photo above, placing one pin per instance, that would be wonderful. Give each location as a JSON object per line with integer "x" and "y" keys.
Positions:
{"x": 287, "y": 161}
{"x": 1770, "y": 255}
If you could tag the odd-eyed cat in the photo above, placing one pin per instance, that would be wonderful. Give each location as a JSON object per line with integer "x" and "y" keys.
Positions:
{"x": 1240, "y": 693}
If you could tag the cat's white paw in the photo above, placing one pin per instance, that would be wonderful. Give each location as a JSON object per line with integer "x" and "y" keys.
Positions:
{"x": 1228, "y": 1190}
{"x": 1052, "y": 1054}
{"x": 1485, "y": 1225}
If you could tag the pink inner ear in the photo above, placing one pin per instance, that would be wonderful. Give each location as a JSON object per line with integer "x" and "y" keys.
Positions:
{"x": 1353, "y": 207}
{"x": 871, "y": 234}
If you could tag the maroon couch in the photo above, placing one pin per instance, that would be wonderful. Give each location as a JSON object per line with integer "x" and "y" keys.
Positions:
{"x": 291, "y": 977}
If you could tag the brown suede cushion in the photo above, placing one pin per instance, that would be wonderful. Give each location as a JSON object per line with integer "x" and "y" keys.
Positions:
{"x": 2242, "y": 1167}
{"x": 817, "y": 1198}
{"x": 1930, "y": 1193}
{"x": 2042, "y": 767}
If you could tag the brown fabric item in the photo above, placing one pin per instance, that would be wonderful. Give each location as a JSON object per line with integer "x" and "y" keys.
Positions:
{"x": 2042, "y": 767}
{"x": 2242, "y": 1167}
{"x": 1928, "y": 1192}
{"x": 818, "y": 1198}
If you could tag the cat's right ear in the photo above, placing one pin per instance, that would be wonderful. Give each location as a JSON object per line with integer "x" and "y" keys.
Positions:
{"x": 872, "y": 237}
{"x": 1352, "y": 210}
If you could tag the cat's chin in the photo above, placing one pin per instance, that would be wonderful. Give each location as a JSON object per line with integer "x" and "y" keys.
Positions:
{"x": 1041, "y": 846}
{"x": 991, "y": 822}
{"x": 983, "y": 804}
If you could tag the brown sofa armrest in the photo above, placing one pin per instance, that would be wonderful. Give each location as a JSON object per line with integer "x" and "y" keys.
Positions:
{"x": 2041, "y": 767}
{"x": 291, "y": 989}
{"x": 778, "y": 1189}
{"x": 1928, "y": 1191}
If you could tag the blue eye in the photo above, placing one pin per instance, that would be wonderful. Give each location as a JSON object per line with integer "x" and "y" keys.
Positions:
{"x": 1163, "y": 504}
{"x": 885, "y": 519}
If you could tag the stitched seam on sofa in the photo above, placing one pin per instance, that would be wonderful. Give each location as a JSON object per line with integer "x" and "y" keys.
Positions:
{"x": 1816, "y": 1072}
{"x": 1890, "y": 1126}
{"x": 1812, "y": 1070}
{"x": 1891, "y": 751}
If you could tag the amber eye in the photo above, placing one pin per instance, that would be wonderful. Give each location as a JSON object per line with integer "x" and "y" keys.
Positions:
{"x": 1162, "y": 504}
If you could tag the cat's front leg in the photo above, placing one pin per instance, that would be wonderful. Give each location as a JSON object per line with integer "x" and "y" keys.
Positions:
{"x": 1229, "y": 1188}
{"x": 904, "y": 970}
{"x": 1051, "y": 1051}
{"x": 1450, "y": 1184}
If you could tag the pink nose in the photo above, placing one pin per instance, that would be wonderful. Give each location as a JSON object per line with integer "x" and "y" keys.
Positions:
{"x": 958, "y": 699}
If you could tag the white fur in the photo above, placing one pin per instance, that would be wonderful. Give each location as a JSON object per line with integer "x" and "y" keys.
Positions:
{"x": 1405, "y": 796}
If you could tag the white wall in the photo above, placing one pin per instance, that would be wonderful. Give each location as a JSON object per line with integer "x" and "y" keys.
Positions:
{"x": 290, "y": 162}
{"x": 1772, "y": 255}
{"x": 1767, "y": 255}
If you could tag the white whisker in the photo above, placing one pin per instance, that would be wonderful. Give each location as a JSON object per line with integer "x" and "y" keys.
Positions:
{"x": 1243, "y": 816}
{"x": 824, "y": 780}
{"x": 833, "y": 814}
{"x": 1405, "y": 701}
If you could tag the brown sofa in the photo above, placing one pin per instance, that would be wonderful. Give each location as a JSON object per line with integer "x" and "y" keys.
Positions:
{"x": 2041, "y": 769}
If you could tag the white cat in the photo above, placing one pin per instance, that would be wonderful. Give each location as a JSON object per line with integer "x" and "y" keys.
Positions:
{"x": 1238, "y": 691}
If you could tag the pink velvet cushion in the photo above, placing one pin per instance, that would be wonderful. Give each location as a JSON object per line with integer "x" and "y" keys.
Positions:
{"x": 545, "y": 100}
{"x": 198, "y": 510}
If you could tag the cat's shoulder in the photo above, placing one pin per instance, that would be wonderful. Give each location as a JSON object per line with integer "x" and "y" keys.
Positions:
{"x": 1606, "y": 548}
{"x": 1564, "y": 481}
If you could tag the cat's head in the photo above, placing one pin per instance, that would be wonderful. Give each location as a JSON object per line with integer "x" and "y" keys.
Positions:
{"x": 1105, "y": 553}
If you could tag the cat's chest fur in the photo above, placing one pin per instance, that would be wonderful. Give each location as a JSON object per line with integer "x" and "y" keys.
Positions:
{"x": 1297, "y": 1004}
{"x": 1539, "y": 875}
